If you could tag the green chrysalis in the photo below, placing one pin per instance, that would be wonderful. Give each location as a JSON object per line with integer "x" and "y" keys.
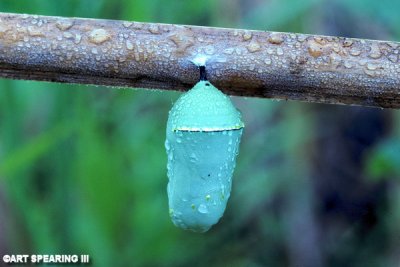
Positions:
{"x": 203, "y": 136}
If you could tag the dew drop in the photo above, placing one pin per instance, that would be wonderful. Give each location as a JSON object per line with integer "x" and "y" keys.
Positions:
{"x": 136, "y": 56}
{"x": 67, "y": 35}
{"x": 64, "y": 24}
{"x": 193, "y": 158}
{"x": 209, "y": 50}
{"x": 348, "y": 65}
{"x": 247, "y": 36}
{"x": 78, "y": 38}
{"x": 253, "y": 47}
{"x": 355, "y": 52}
{"x": 347, "y": 43}
{"x": 2, "y": 30}
{"x": 154, "y": 29}
{"x": 362, "y": 62}
{"x": 375, "y": 52}
{"x": 99, "y": 36}
{"x": 301, "y": 38}
{"x": 393, "y": 58}
{"x": 320, "y": 40}
{"x": 35, "y": 32}
{"x": 203, "y": 209}
{"x": 129, "y": 45}
{"x": 314, "y": 49}
{"x": 370, "y": 73}
{"x": 229, "y": 51}
{"x": 372, "y": 66}
{"x": 127, "y": 24}
{"x": 275, "y": 38}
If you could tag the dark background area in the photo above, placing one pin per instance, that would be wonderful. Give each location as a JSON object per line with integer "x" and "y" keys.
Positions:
{"x": 83, "y": 168}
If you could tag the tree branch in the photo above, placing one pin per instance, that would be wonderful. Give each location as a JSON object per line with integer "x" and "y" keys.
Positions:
{"x": 240, "y": 62}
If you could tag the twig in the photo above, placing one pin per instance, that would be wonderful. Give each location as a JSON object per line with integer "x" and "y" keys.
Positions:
{"x": 240, "y": 62}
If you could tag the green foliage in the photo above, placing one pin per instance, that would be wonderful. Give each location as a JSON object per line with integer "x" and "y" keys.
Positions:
{"x": 384, "y": 161}
{"x": 384, "y": 11}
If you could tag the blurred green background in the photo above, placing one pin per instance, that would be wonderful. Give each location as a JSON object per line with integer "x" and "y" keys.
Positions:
{"x": 83, "y": 168}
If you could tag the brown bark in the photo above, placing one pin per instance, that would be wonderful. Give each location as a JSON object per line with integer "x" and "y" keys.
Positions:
{"x": 240, "y": 62}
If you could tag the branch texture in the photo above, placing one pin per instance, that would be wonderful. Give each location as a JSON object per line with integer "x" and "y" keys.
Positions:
{"x": 240, "y": 62}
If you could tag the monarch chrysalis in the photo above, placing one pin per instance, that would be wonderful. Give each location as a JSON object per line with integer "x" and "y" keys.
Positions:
{"x": 203, "y": 136}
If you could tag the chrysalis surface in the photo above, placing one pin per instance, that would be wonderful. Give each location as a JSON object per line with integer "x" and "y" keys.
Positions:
{"x": 203, "y": 136}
